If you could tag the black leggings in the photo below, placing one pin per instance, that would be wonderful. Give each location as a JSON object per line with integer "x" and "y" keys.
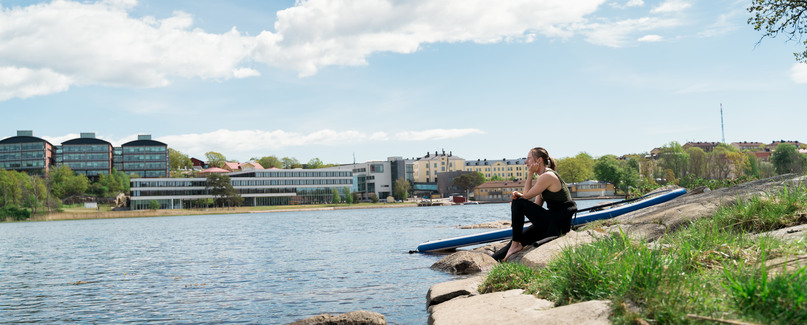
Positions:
{"x": 545, "y": 223}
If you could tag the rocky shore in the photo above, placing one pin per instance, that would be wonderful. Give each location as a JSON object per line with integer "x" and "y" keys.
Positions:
{"x": 459, "y": 302}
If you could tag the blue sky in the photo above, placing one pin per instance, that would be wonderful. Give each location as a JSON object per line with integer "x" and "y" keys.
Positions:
{"x": 380, "y": 78}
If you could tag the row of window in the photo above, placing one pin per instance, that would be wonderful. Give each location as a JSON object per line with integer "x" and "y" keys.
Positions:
{"x": 295, "y": 174}
{"x": 204, "y": 192}
{"x": 243, "y": 183}
{"x": 22, "y": 146}
{"x": 133, "y": 166}
{"x": 496, "y": 169}
{"x": 81, "y": 156}
{"x": 23, "y": 155}
{"x": 87, "y": 165}
{"x": 85, "y": 148}
{"x": 323, "y": 195}
{"x": 129, "y": 150}
{"x": 22, "y": 164}
{"x": 144, "y": 157}
{"x": 172, "y": 183}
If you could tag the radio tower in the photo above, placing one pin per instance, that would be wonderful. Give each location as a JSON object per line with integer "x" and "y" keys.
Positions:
{"x": 722, "y": 130}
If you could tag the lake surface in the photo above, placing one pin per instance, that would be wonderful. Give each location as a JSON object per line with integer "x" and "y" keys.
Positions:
{"x": 269, "y": 268}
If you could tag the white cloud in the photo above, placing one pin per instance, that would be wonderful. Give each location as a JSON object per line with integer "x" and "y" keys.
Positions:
{"x": 100, "y": 43}
{"x": 436, "y": 134}
{"x": 671, "y": 6}
{"x": 71, "y": 43}
{"x": 634, "y": 3}
{"x": 319, "y": 33}
{"x": 257, "y": 140}
{"x": 621, "y": 33}
{"x": 245, "y": 73}
{"x": 650, "y": 38}
{"x": 24, "y": 82}
{"x": 799, "y": 73}
{"x": 629, "y": 4}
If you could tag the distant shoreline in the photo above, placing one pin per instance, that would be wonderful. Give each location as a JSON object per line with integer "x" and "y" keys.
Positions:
{"x": 57, "y": 216}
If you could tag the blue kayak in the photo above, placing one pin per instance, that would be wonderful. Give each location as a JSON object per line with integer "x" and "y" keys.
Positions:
{"x": 501, "y": 234}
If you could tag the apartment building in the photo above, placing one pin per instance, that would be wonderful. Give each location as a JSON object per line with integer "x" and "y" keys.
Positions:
{"x": 426, "y": 168}
{"x": 86, "y": 155}
{"x": 505, "y": 168}
{"x": 144, "y": 157}
{"x": 26, "y": 153}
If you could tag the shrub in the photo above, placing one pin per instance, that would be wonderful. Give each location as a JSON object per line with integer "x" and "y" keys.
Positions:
{"x": 15, "y": 213}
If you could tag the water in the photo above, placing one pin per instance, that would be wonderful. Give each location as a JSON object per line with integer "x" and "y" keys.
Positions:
{"x": 269, "y": 268}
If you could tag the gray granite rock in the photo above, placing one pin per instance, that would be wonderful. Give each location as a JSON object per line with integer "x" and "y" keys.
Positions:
{"x": 515, "y": 307}
{"x": 359, "y": 317}
{"x": 446, "y": 291}
{"x": 465, "y": 262}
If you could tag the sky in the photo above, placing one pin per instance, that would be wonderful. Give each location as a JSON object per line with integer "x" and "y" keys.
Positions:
{"x": 364, "y": 80}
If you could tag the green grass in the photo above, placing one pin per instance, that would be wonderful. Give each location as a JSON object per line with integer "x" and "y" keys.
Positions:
{"x": 713, "y": 268}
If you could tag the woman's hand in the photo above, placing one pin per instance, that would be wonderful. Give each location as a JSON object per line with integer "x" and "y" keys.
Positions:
{"x": 534, "y": 169}
{"x": 516, "y": 195}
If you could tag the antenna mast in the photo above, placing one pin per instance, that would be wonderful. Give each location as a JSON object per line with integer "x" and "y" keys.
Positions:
{"x": 722, "y": 129}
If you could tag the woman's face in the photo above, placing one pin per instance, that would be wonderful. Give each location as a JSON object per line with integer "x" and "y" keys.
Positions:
{"x": 531, "y": 159}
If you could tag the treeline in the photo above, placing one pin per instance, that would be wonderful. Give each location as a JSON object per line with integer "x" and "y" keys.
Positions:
{"x": 180, "y": 161}
{"x": 691, "y": 167}
{"x": 23, "y": 195}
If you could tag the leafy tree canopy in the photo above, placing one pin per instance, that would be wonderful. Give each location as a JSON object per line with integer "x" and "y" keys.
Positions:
{"x": 215, "y": 159}
{"x": 178, "y": 160}
{"x": 269, "y": 162}
{"x": 291, "y": 163}
{"x": 787, "y": 159}
{"x": 400, "y": 189}
{"x": 774, "y": 17}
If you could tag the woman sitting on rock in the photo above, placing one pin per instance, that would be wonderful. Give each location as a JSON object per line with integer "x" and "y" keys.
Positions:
{"x": 555, "y": 219}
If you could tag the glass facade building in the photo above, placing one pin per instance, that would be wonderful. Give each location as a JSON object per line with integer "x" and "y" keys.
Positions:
{"x": 86, "y": 155}
{"x": 143, "y": 157}
{"x": 27, "y": 153}
{"x": 258, "y": 188}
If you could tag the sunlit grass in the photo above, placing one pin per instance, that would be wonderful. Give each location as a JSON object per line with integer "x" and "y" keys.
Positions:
{"x": 711, "y": 269}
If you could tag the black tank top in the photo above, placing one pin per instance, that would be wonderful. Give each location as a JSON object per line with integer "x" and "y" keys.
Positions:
{"x": 560, "y": 200}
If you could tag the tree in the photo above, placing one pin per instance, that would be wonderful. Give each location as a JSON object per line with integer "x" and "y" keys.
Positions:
{"x": 215, "y": 159}
{"x": 400, "y": 189}
{"x": 787, "y": 159}
{"x": 178, "y": 160}
{"x": 674, "y": 157}
{"x": 269, "y": 162}
{"x": 719, "y": 164}
{"x": 36, "y": 192}
{"x": 9, "y": 188}
{"x": 222, "y": 190}
{"x": 606, "y": 169}
{"x": 65, "y": 182}
{"x": 335, "y": 198}
{"x": 468, "y": 181}
{"x": 348, "y": 196}
{"x": 314, "y": 163}
{"x": 697, "y": 161}
{"x": 751, "y": 166}
{"x": 776, "y": 17}
{"x": 290, "y": 163}
{"x": 576, "y": 169}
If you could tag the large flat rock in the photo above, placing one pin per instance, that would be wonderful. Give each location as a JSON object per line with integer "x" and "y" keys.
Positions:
{"x": 446, "y": 291}
{"x": 515, "y": 307}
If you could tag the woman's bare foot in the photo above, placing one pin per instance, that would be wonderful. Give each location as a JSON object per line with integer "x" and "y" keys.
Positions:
{"x": 515, "y": 247}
